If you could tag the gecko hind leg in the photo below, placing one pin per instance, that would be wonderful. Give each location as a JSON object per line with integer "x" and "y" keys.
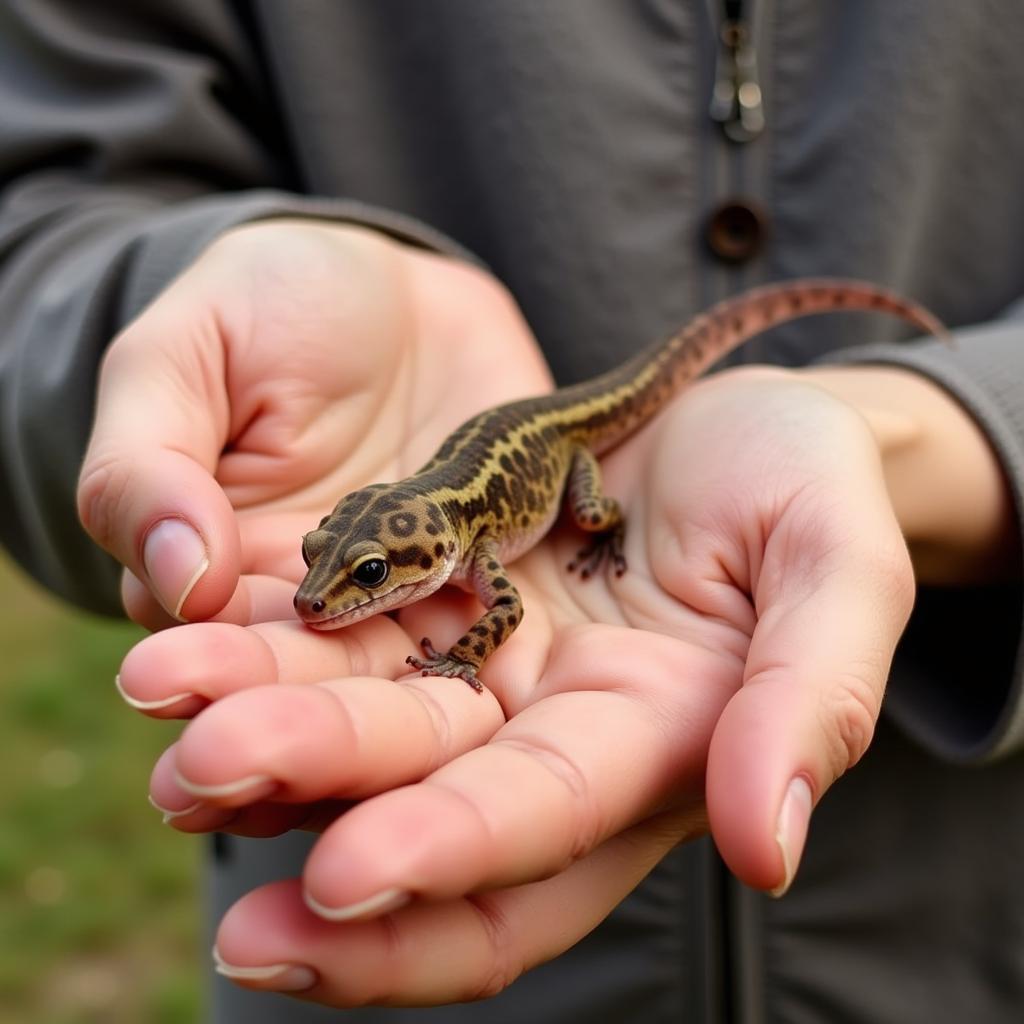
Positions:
{"x": 592, "y": 510}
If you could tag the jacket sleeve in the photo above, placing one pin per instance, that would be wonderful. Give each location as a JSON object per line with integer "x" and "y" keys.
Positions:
{"x": 958, "y": 678}
{"x": 130, "y": 137}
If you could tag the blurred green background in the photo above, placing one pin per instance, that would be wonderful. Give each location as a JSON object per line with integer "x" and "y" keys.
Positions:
{"x": 98, "y": 899}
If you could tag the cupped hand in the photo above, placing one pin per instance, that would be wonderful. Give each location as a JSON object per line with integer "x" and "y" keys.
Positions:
{"x": 727, "y": 678}
{"x": 292, "y": 362}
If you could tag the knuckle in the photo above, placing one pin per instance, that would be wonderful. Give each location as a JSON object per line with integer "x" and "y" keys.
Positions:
{"x": 103, "y": 487}
{"x": 586, "y": 825}
{"x": 440, "y": 723}
{"x": 497, "y": 293}
{"x": 849, "y": 715}
{"x": 122, "y": 349}
{"x": 896, "y": 572}
{"x": 884, "y": 557}
{"x": 498, "y": 962}
{"x": 503, "y": 966}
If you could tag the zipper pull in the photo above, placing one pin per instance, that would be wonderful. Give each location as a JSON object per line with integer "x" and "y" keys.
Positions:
{"x": 736, "y": 101}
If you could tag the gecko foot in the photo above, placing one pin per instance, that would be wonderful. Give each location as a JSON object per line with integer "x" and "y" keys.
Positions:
{"x": 437, "y": 664}
{"x": 591, "y": 556}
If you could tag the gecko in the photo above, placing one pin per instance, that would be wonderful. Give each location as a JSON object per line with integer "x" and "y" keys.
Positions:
{"x": 497, "y": 484}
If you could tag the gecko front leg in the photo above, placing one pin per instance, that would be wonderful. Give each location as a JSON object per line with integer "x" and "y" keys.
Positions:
{"x": 504, "y": 612}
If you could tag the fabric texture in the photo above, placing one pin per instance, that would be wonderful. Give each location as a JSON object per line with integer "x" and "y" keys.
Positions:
{"x": 567, "y": 145}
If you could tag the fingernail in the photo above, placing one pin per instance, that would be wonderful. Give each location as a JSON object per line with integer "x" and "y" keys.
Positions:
{"x": 791, "y": 830}
{"x": 169, "y": 816}
{"x": 381, "y": 903}
{"x": 175, "y": 559}
{"x": 222, "y": 789}
{"x": 282, "y": 977}
{"x": 149, "y": 705}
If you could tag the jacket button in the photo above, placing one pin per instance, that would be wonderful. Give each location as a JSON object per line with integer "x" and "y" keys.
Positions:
{"x": 735, "y": 232}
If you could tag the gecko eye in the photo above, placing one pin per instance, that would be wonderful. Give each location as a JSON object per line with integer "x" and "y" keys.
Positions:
{"x": 371, "y": 572}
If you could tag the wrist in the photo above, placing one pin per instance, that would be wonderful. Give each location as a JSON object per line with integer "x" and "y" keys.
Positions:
{"x": 944, "y": 479}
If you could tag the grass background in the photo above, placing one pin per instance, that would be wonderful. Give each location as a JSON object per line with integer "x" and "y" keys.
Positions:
{"x": 98, "y": 900}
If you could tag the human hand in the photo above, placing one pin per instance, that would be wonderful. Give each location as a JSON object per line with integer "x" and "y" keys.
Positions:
{"x": 743, "y": 654}
{"x": 292, "y": 362}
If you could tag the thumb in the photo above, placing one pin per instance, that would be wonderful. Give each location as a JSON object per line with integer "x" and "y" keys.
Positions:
{"x": 147, "y": 492}
{"x": 816, "y": 672}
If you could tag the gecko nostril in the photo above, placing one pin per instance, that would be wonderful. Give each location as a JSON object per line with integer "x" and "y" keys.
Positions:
{"x": 317, "y": 606}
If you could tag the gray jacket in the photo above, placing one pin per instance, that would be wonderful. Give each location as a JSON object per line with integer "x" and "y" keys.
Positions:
{"x": 567, "y": 144}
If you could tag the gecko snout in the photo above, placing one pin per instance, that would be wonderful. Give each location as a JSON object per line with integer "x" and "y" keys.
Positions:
{"x": 306, "y": 608}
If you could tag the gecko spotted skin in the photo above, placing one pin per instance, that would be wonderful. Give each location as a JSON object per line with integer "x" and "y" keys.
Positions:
{"x": 495, "y": 486}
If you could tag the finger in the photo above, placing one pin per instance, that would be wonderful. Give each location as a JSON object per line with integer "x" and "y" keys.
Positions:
{"x": 175, "y": 673}
{"x": 816, "y": 672}
{"x": 561, "y": 777}
{"x": 185, "y": 812}
{"x": 179, "y": 808}
{"x": 147, "y": 493}
{"x": 256, "y": 599}
{"x": 439, "y": 953}
{"x": 346, "y": 738}
{"x": 141, "y": 606}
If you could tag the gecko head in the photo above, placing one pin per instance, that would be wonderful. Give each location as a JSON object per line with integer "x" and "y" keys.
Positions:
{"x": 381, "y": 548}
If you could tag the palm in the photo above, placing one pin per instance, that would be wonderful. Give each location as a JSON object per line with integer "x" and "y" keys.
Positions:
{"x": 343, "y": 360}
{"x": 673, "y": 633}
{"x": 656, "y": 623}
{"x": 324, "y": 403}
{"x": 764, "y": 565}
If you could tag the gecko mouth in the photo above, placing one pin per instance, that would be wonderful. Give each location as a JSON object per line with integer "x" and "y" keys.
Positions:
{"x": 393, "y": 599}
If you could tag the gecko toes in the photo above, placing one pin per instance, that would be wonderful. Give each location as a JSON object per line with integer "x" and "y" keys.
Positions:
{"x": 437, "y": 664}
{"x": 603, "y": 549}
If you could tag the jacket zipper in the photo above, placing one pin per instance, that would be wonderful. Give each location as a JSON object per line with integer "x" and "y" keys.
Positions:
{"x": 736, "y": 102}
